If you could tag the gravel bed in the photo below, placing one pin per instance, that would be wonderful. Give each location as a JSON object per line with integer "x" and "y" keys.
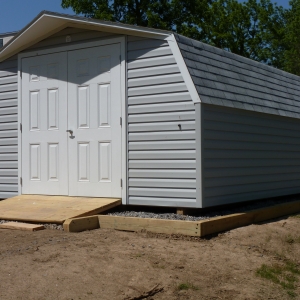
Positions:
{"x": 164, "y": 216}
{"x": 53, "y": 226}
{"x": 3, "y": 221}
{"x": 206, "y": 214}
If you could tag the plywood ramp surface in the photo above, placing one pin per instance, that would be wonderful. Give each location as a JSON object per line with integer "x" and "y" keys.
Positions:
{"x": 53, "y": 209}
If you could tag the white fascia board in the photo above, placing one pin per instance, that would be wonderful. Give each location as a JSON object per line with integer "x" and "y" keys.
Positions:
{"x": 49, "y": 24}
{"x": 183, "y": 69}
{"x": 114, "y": 27}
{"x": 39, "y": 30}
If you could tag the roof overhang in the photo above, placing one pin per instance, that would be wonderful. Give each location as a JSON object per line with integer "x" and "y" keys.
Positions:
{"x": 48, "y": 23}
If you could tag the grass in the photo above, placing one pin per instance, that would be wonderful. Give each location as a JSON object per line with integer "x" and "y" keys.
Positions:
{"x": 291, "y": 240}
{"x": 187, "y": 286}
{"x": 285, "y": 275}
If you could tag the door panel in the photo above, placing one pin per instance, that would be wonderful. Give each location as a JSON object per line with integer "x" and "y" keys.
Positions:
{"x": 44, "y": 120}
{"x": 80, "y": 91}
{"x": 94, "y": 106}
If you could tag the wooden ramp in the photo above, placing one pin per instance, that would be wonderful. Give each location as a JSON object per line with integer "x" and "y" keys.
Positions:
{"x": 53, "y": 209}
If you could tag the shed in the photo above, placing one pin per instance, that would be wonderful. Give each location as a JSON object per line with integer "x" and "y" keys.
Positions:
{"x": 102, "y": 109}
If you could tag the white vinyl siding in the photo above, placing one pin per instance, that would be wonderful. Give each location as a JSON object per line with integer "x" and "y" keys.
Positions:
{"x": 248, "y": 155}
{"x": 161, "y": 128}
{"x": 8, "y": 129}
{"x": 75, "y": 36}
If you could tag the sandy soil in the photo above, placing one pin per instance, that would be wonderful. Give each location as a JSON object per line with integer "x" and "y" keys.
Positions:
{"x": 106, "y": 264}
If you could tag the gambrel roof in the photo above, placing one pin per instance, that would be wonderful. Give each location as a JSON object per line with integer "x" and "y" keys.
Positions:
{"x": 226, "y": 79}
{"x": 217, "y": 76}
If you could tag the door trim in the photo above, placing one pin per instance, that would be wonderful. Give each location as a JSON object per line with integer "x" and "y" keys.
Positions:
{"x": 122, "y": 42}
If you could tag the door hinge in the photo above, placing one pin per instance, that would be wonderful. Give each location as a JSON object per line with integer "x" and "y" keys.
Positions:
{"x": 121, "y": 182}
{"x": 21, "y": 127}
{"x": 21, "y": 181}
{"x": 121, "y": 121}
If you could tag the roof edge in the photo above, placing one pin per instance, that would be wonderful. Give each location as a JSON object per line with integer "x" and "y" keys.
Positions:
{"x": 47, "y": 23}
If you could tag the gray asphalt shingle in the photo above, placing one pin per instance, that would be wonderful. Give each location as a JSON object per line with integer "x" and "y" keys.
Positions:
{"x": 226, "y": 79}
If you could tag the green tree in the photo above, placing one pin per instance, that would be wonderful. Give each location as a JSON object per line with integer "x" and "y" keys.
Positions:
{"x": 254, "y": 29}
{"x": 292, "y": 38}
{"x": 164, "y": 14}
{"x": 251, "y": 29}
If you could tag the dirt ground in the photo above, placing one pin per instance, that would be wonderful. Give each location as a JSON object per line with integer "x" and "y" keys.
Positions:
{"x": 107, "y": 264}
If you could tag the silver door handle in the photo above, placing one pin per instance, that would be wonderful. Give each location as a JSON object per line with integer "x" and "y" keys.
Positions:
{"x": 70, "y": 131}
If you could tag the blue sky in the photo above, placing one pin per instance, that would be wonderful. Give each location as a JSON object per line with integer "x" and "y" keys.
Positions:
{"x": 15, "y": 14}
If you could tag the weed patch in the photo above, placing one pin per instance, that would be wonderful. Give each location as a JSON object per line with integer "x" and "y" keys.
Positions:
{"x": 286, "y": 275}
{"x": 187, "y": 286}
{"x": 291, "y": 240}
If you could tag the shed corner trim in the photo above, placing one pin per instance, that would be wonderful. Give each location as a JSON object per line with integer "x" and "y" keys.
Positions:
{"x": 183, "y": 69}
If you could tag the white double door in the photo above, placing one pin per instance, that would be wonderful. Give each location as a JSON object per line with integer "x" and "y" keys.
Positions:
{"x": 71, "y": 131}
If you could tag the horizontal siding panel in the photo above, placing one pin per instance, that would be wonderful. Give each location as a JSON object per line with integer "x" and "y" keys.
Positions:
{"x": 8, "y": 133}
{"x": 9, "y": 80}
{"x": 8, "y": 156}
{"x": 212, "y": 201}
{"x": 250, "y": 179}
{"x": 162, "y": 145}
{"x": 253, "y": 129}
{"x": 248, "y": 188}
{"x": 151, "y": 71}
{"x": 8, "y": 72}
{"x": 8, "y": 172}
{"x": 8, "y": 164}
{"x": 159, "y": 201}
{"x": 8, "y": 126}
{"x": 10, "y": 179}
{"x": 144, "y": 44}
{"x": 160, "y": 192}
{"x": 249, "y": 137}
{"x": 244, "y": 163}
{"x": 161, "y": 117}
{"x": 8, "y": 118}
{"x": 8, "y": 188}
{"x": 148, "y": 52}
{"x": 8, "y": 87}
{"x": 179, "y": 174}
{"x": 160, "y": 98}
{"x": 158, "y": 164}
{"x": 253, "y": 154}
{"x": 8, "y": 110}
{"x": 153, "y": 80}
{"x": 5, "y": 195}
{"x": 215, "y": 144}
{"x": 250, "y": 118}
{"x": 157, "y": 89}
{"x": 161, "y": 126}
{"x": 163, "y": 183}
{"x": 266, "y": 171}
{"x": 8, "y": 141}
{"x": 151, "y": 62}
{"x": 174, "y": 154}
{"x": 76, "y": 37}
{"x": 162, "y": 136}
{"x": 8, "y": 103}
{"x": 9, "y": 149}
{"x": 161, "y": 107}
{"x": 9, "y": 95}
